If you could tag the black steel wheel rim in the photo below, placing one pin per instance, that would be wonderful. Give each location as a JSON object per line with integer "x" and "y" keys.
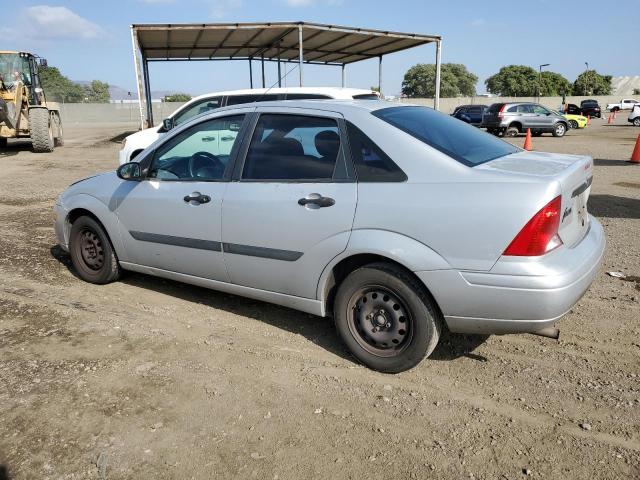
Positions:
{"x": 380, "y": 321}
{"x": 91, "y": 250}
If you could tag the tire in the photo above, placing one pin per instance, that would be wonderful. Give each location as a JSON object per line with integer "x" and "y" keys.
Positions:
{"x": 92, "y": 254}
{"x": 3, "y": 142}
{"x": 41, "y": 130}
{"x": 615, "y": 109}
{"x": 511, "y": 132}
{"x": 636, "y": 121}
{"x": 573, "y": 124}
{"x": 405, "y": 331}
{"x": 59, "y": 140}
{"x": 559, "y": 129}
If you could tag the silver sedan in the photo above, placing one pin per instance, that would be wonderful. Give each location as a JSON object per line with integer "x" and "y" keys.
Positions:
{"x": 397, "y": 221}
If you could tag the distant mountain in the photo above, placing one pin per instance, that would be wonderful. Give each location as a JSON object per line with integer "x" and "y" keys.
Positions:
{"x": 118, "y": 93}
{"x": 624, "y": 86}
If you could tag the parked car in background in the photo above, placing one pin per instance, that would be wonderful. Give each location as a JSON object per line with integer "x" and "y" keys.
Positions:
{"x": 470, "y": 114}
{"x": 625, "y": 104}
{"x": 590, "y": 108}
{"x": 137, "y": 142}
{"x": 575, "y": 121}
{"x": 510, "y": 119}
{"x": 634, "y": 116}
{"x": 398, "y": 221}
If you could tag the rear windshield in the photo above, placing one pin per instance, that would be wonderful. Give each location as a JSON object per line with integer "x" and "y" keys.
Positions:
{"x": 461, "y": 141}
{"x": 495, "y": 107}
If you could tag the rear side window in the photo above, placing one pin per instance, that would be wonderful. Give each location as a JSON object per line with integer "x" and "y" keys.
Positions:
{"x": 366, "y": 96}
{"x": 292, "y": 148}
{"x": 461, "y": 141}
{"x": 372, "y": 164}
{"x": 239, "y": 99}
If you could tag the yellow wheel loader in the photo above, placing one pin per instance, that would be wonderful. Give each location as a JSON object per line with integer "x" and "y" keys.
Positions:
{"x": 24, "y": 110}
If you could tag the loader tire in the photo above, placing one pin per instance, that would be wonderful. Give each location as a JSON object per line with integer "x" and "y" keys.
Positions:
{"x": 41, "y": 130}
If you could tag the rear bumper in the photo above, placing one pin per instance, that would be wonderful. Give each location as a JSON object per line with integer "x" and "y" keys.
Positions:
{"x": 518, "y": 295}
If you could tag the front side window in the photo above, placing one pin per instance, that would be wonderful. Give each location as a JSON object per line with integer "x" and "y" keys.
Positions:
{"x": 372, "y": 164}
{"x": 459, "y": 140}
{"x": 199, "y": 153}
{"x": 196, "y": 109}
{"x": 292, "y": 148}
{"x": 540, "y": 110}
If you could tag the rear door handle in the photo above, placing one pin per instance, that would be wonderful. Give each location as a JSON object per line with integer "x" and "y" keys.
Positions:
{"x": 227, "y": 139}
{"x": 197, "y": 198}
{"x": 318, "y": 200}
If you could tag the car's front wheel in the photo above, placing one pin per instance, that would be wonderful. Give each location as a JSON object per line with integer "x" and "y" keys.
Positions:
{"x": 386, "y": 318}
{"x": 636, "y": 121}
{"x": 559, "y": 130}
{"x": 92, "y": 254}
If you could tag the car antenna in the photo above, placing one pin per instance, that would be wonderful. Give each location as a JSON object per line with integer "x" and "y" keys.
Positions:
{"x": 277, "y": 81}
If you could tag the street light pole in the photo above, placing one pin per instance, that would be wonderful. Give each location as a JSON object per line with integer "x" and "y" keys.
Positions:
{"x": 540, "y": 77}
{"x": 586, "y": 79}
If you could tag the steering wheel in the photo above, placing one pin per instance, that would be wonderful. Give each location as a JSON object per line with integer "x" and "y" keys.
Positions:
{"x": 206, "y": 159}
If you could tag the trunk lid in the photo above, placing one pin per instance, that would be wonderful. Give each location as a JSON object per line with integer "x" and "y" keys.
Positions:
{"x": 574, "y": 173}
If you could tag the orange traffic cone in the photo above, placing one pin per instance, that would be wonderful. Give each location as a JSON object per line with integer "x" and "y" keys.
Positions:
{"x": 588, "y": 120}
{"x": 527, "y": 141}
{"x": 635, "y": 156}
{"x": 610, "y": 120}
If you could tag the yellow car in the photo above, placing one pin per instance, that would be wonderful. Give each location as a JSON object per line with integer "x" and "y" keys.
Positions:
{"x": 576, "y": 121}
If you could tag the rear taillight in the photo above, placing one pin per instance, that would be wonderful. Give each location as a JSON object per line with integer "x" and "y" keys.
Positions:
{"x": 540, "y": 234}
{"x": 501, "y": 111}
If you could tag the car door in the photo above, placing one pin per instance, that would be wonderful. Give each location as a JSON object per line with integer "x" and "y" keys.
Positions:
{"x": 171, "y": 219}
{"x": 542, "y": 118}
{"x": 291, "y": 208}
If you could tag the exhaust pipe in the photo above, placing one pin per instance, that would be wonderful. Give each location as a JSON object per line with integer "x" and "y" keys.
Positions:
{"x": 549, "y": 332}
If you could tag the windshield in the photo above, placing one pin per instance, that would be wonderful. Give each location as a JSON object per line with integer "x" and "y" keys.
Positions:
{"x": 461, "y": 141}
{"x": 13, "y": 68}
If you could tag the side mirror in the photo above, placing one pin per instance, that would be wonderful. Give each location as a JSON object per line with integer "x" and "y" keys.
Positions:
{"x": 43, "y": 62}
{"x": 130, "y": 171}
{"x": 167, "y": 124}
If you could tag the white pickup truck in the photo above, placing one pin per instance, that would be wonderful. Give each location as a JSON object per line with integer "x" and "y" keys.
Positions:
{"x": 625, "y": 104}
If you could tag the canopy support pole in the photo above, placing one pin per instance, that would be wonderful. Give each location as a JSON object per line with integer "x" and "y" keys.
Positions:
{"x": 147, "y": 92}
{"x": 380, "y": 74}
{"x": 279, "y": 71}
{"x": 250, "y": 73}
{"x": 344, "y": 76}
{"x": 262, "y": 59}
{"x": 300, "y": 54}
{"x": 136, "y": 65}
{"x": 436, "y": 99}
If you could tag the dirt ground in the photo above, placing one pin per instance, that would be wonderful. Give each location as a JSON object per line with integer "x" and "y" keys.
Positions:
{"x": 152, "y": 379}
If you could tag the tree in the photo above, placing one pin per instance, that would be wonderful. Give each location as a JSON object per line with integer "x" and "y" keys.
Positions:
{"x": 58, "y": 87}
{"x": 553, "y": 84}
{"x": 455, "y": 81}
{"x": 591, "y": 82}
{"x": 177, "y": 97}
{"x": 97, "y": 92}
{"x": 514, "y": 81}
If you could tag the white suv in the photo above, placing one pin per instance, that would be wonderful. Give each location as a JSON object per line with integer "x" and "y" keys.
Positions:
{"x": 634, "y": 116}
{"x": 137, "y": 142}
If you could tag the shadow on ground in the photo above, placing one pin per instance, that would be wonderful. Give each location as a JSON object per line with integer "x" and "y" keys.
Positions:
{"x": 121, "y": 136}
{"x": 4, "y": 473}
{"x": 318, "y": 330}
{"x": 611, "y": 206}
{"x": 14, "y": 148}
{"x": 603, "y": 162}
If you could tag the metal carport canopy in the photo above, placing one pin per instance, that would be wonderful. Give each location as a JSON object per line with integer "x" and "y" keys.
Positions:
{"x": 297, "y": 42}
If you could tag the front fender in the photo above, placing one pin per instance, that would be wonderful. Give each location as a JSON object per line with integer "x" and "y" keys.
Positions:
{"x": 107, "y": 218}
{"x": 406, "y": 251}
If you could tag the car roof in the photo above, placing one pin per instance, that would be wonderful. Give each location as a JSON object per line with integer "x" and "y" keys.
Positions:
{"x": 330, "y": 105}
{"x": 335, "y": 92}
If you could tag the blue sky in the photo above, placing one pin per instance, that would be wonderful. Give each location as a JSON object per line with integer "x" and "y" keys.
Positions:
{"x": 90, "y": 39}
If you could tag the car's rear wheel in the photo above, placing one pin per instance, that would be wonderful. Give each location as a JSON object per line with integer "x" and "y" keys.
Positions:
{"x": 573, "y": 124}
{"x": 512, "y": 132}
{"x": 636, "y": 121}
{"x": 559, "y": 130}
{"x": 386, "y": 318}
{"x": 92, "y": 254}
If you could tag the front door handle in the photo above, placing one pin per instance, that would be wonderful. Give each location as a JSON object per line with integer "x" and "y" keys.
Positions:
{"x": 318, "y": 200}
{"x": 209, "y": 139}
{"x": 197, "y": 198}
